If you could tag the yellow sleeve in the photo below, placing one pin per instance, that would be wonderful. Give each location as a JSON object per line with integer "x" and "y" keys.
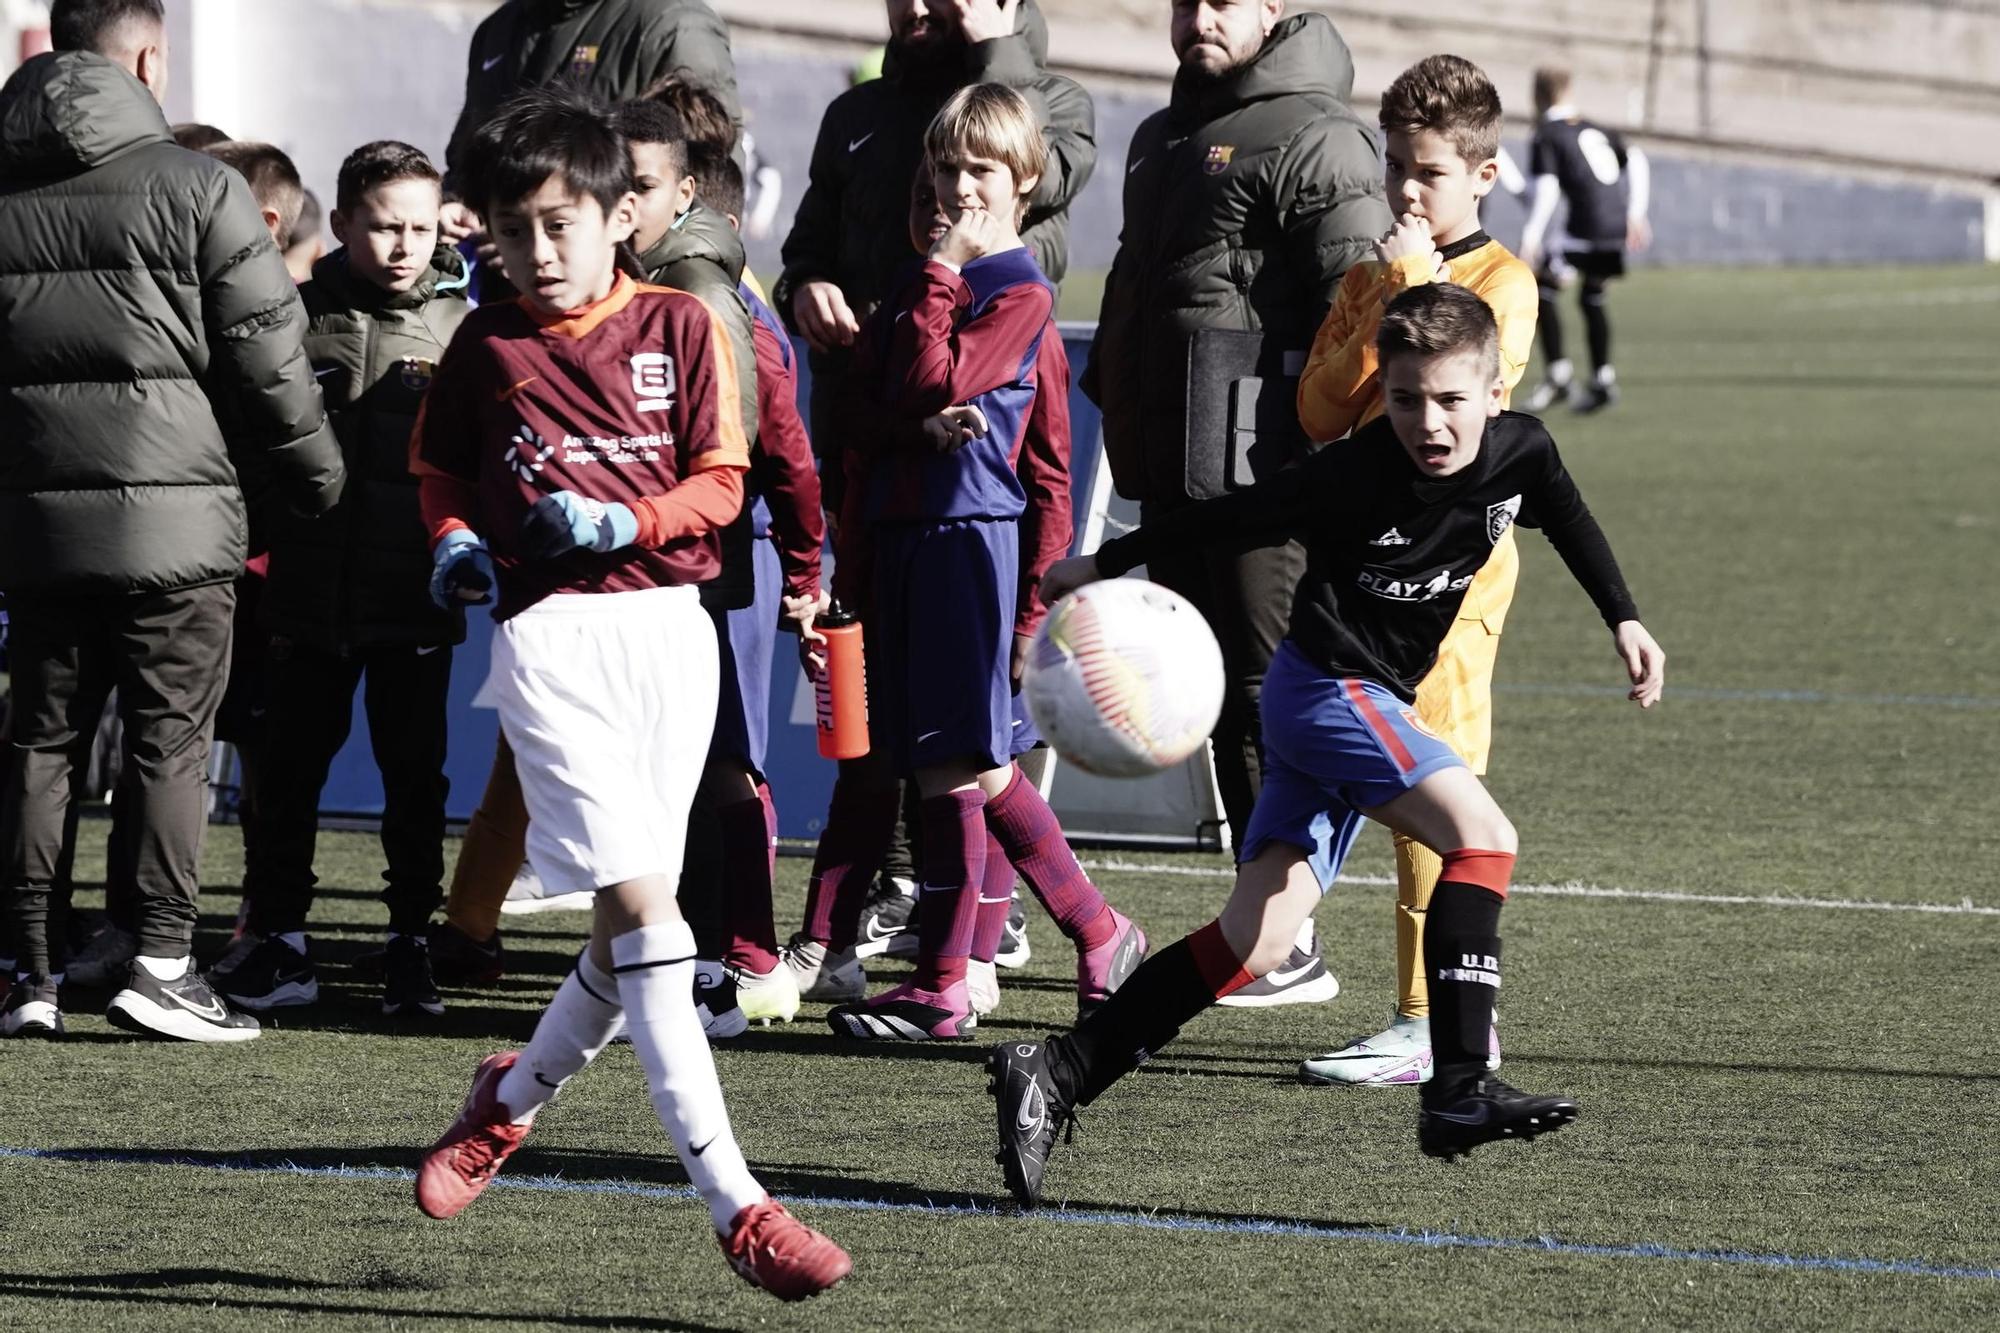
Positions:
{"x": 1512, "y": 293}
{"x": 1340, "y": 387}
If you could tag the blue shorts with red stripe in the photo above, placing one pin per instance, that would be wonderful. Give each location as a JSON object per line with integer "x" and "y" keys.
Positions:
{"x": 1333, "y": 747}
{"x": 939, "y": 649}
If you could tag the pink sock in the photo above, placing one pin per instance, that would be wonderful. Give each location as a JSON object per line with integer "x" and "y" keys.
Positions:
{"x": 747, "y": 868}
{"x": 860, "y": 820}
{"x": 954, "y": 868}
{"x": 1028, "y": 833}
{"x": 996, "y": 899}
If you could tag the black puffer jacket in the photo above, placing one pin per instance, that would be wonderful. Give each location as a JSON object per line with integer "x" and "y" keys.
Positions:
{"x": 615, "y": 48}
{"x": 852, "y": 226}
{"x": 360, "y": 577}
{"x": 1245, "y": 202}
{"x": 145, "y": 319}
{"x": 704, "y": 256}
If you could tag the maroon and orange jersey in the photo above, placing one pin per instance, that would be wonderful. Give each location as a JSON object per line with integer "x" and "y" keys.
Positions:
{"x": 616, "y": 402}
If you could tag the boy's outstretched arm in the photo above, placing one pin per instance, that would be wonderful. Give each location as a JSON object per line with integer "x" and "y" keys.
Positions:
{"x": 1571, "y": 528}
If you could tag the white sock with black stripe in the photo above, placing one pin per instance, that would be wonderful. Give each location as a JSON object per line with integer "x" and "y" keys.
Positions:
{"x": 579, "y": 1022}
{"x": 655, "y": 970}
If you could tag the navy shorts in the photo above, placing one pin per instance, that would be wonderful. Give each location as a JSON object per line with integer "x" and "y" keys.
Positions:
{"x": 1333, "y": 747}
{"x": 747, "y": 638}
{"x": 940, "y": 643}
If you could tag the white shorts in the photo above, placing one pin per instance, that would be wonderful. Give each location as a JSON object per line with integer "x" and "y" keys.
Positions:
{"x": 608, "y": 700}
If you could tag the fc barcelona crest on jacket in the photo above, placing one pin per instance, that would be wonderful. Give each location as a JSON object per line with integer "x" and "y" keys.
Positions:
{"x": 1218, "y": 158}
{"x": 582, "y": 61}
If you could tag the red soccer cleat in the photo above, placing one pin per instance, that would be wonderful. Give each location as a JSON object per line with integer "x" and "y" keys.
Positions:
{"x": 463, "y": 1163}
{"x": 774, "y": 1250}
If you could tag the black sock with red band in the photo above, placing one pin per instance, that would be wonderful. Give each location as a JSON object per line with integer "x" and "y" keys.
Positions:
{"x": 1462, "y": 965}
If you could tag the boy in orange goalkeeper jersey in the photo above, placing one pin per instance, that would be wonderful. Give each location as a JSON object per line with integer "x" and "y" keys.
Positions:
{"x": 1441, "y": 121}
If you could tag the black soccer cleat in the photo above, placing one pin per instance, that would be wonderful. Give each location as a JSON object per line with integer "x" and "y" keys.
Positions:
{"x": 408, "y": 988}
{"x": 1486, "y": 1111}
{"x": 1032, "y": 1111}
{"x": 1593, "y": 397}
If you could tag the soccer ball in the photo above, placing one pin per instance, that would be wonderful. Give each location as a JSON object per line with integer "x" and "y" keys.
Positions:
{"x": 1125, "y": 678}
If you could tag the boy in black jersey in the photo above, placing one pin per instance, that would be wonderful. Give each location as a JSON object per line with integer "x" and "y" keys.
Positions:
{"x": 1395, "y": 525}
{"x": 1605, "y": 184}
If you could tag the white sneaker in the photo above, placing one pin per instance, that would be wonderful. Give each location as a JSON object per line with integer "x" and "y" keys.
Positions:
{"x": 105, "y": 960}
{"x": 715, "y": 1002}
{"x": 32, "y": 1009}
{"x": 823, "y": 977}
{"x": 767, "y": 997}
{"x": 528, "y": 896}
{"x": 1397, "y": 1056}
{"x": 1302, "y": 978}
{"x": 982, "y": 986}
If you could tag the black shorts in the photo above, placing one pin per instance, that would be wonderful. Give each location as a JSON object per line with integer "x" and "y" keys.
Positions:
{"x": 1599, "y": 264}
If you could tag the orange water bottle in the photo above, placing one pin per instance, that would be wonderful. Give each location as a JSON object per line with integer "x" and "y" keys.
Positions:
{"x": 841, "y": 692}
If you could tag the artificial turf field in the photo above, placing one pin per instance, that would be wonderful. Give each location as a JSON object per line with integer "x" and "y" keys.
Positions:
{"x": 1787, "y": 1104}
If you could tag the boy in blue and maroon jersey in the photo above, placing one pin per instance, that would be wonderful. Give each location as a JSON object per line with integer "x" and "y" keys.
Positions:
{"x": 957, "y": 354}
{"x": 580, "y": 449}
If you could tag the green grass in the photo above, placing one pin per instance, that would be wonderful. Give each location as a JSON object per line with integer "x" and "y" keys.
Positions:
{"x": 1803, "y": 486}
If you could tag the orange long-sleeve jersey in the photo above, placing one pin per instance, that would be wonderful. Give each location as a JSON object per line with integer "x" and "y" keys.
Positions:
{"x": 1341, "y": 387}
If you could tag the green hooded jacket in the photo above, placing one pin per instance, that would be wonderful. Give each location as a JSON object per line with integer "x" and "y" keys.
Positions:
{"x": 615, "y": 48}
{"x": 360, "y": 577}
{"x": 701, "y": 254}
{"x": 1246, "y": 200}
{"x": 151, "y": 359}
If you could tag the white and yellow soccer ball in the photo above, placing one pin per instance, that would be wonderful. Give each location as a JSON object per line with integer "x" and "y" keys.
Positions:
{"x": 1125, "y": 678}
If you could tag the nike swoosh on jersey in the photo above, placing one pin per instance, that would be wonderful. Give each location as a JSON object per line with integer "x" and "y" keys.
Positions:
{"x": 494, "y": 61}
{"x": 853, "y": 144}
{"x": 1134, "y": 166}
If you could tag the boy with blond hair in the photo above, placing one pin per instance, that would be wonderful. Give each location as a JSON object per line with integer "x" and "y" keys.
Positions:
{"x": 955, "y": 353}
{"x": 1441, "y": 120}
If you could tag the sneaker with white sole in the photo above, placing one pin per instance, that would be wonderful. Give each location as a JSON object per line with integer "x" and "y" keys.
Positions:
{"x": 766, "y": 997}
{"x": 982, "y": 986}
{"x": 1014, "y": 950}
{"x": 105, "y": 959}
{"x": 32, "y": 1009}
{"x": 823, "y": 975}
{"x": 715, "y": 1003}
{"x": 1302, "y": 978}
{"x": 888, "y": 921}
{"x": 183, "y": 1009}
{"x": 529, "y": 895}
{"x": 1397, "y": 1056}
{"x": 268, "y": 974}
{"x": 907, "y": 1013}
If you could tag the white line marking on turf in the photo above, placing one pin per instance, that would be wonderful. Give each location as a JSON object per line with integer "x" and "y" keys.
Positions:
{"x": 1977, "y": 295}
{"x": 1579, "y": 890}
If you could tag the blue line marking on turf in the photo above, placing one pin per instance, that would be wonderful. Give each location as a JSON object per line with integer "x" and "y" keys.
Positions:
{"x": 1248, "y": 1226}
{"x": 1701, "y": 694}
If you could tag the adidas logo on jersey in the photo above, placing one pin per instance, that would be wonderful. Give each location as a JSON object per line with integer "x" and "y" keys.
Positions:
{"x": 1391, "y": 538}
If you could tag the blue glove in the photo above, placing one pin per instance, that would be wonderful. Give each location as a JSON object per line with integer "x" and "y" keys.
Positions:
{"x": 566, "y": 521}
{"x": 459, "y": 566}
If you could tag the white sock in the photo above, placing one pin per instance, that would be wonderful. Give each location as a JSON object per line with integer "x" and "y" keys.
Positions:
{"x": 1561, "y": 372}
{"x": 165, "y": 969}
{"x": 579, "y": 1022}
{"x": 1607, "y": 375}
{"x": 655, "y": 968}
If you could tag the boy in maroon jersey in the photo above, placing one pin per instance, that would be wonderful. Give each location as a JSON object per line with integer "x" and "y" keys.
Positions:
{"x": 579, "y": 451}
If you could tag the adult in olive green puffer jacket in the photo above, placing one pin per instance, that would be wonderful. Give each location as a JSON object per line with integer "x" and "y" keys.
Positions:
{"x": 359, "y": 578}
{"x": 151, "y": 371}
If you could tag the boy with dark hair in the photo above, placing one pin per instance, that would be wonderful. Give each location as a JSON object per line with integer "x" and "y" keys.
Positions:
{"x": 580, "y": 450}
{"x": 344, "y": 597}
{"x": 705, "y": 120}
{"x": 303, "y": 247}
{"x": 273, "y": 180}
{"x": 1607, "y": 185}
{"x": 196, "y": 137}
{"x": 1447, "y": 472}
{"x": 1441, "y": 121}
{"x": 108, "y": 27}
{"x": 718, "y": 183}
{"x": 956, "y": 352}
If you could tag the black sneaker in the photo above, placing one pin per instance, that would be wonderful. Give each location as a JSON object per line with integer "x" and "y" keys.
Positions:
{"x": 459, "y": 960}
{"x": 1032, "y": 1112}
{"x": 32, "y": 1009}
{"x": 1302, "y": 978}
{"x": 269, "y": 974}
{"x": 1014, "y": 951}
{"x": 888, "y": 923}
{"x": 184, "y": 1009}
{"x": 407, "y": 986}
{"x": 1484, "y": 1111}
{"x": 1593, "y": 397}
